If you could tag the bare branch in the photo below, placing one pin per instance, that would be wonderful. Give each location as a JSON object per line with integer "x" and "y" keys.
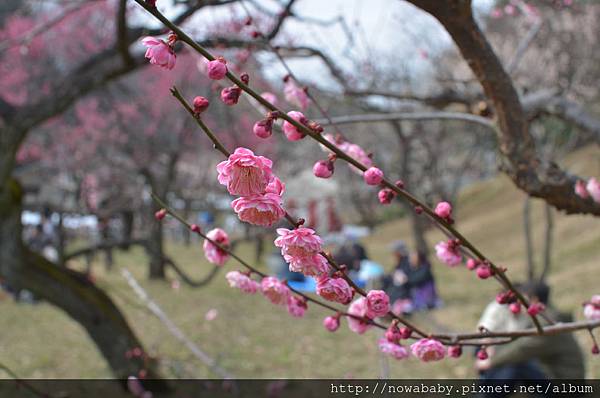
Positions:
{"x": 535, "y": 176}
{"x": 417, "y": 116}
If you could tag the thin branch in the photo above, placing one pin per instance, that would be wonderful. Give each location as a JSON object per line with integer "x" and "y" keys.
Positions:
{"x": 173, "y": 329}
{"x": 418, "y": 116}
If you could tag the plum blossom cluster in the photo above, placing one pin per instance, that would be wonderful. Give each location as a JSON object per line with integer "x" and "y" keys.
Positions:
{"x": 448, "y": 252}
{"x": 591, "y": 189}
{"x": 251, "y": 177}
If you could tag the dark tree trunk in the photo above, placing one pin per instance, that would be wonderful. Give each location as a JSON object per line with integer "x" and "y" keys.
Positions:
{"x": 155, "y": 248}
{"x": 69, "y": 290}
{"x": 128, "y": 218}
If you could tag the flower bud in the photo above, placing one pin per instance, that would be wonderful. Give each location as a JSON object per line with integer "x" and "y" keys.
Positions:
{"x": 443, "y": 210}
{"x": 405, "y": 332}
{"x": 386, "y": 196}
{"x": 454, "y": 351}
{"x": 482, "y": 354}
{"x": 200, "y": 105}
{"x": 595, "y": 349}
{"x": 263, "y": 128}
{"x": 195, "y": 228}
{"x": 535, "y": 308}
{"x": 216, "y": 69}
{"x": 231, "y": 95}
{"x": 373, "y": 176}
{"x": 331, "y": 323}
{"x": 323, "y": 169}
{"x": 159, "y": 215}
{"x": 472, "y": 263}
{"x": 484, "y": 271}
{"x": 515, "y": 308}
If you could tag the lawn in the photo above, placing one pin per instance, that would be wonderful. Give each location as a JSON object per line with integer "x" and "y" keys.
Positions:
{"x": 251, "y": 338}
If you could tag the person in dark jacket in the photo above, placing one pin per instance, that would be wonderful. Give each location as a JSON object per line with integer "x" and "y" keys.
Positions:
{"x": 396, "y": 284}
{"x": 421, "y": 282}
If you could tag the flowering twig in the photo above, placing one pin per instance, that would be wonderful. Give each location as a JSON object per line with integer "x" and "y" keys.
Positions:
{"x": 500, "y": 272}
{"x": 252, "y": 268}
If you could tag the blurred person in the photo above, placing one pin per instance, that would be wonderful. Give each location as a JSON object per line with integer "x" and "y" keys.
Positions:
{"x": 422, "y": 283}
{"x": 396, "y": 284}
{"x": 535, "y": 357}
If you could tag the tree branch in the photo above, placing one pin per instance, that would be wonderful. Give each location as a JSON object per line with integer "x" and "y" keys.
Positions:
{"x": 537, "y": 177}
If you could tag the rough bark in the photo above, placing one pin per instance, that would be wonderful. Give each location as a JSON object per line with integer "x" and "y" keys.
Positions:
{"x": 537, "y": 177}
{"x": 69, "y": 290}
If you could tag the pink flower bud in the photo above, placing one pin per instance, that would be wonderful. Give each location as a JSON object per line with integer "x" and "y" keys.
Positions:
{"x": 484, "y": 271}
{"x": 591, "y": 309}
{"x": 515, "y": 308}
{"x": 195, "y": 228}
{"x": 535, "y": 308}
{"x": 392, "y": 334}
{"x": 231, "y": 95}
{"x": 400, "y": 184}
{"x": 505, "y": 297}
{"x": 263, "y": 128}
{"x": 418, "y": 209}
{"x": 405, "y": 333}
{"x": 580, "y": 190}
{"x": 200, "y": 105}
{"x": 378, "y": 303}
{"x": 593, "y": 188}
{"x": 373, "y": 176}
{"x": 386, "y": 196}
{"x": 472, "y": 263}
{"x": 290, "y": 131}
{"x": 454, "y": 351}
{"x": 323, "y": 169}
{"x": 482, "y": 354}
{"x": 216, "y": 69}
{"x": 595, "y": 349}
{"x": 331, "y": 323}
{"x": 443, "y": 210}
{"x": 159, "y": 215}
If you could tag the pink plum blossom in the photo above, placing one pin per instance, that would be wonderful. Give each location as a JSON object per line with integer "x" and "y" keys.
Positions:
{"x": 378, "y": 303}
{"x": 264, "y": 210}
{"x": 593, "y": 188}
{"x": 323, "y": 169}
{"x": 447, "y": 252}
{"x": 484, "y": 271}
{"x": 216, "y": 69}
{"x": 535, "y": 308}
{"x": 331, "y": 323}
{"x": 295, "y": 95}
{"x": 245, "y": 173}
{"x": 242, "y": 281}
{"x": 358, "y": 323}
{"x": 299, "y": 242}
{"x": 315, "y": 265}
{"x": 296, "y": 306}
{"x": 290, "y": 131}
{"x": 428, "y": 350}
{"x": 159, "y": 52}
{"x": 591, "y": 309}
{"x": 373, "y": 176}
{"x": 393, "y": 349}
{"x": 334, "y": 289}
{"x": 212, "y": 252}
{"x": 275, "y": 290}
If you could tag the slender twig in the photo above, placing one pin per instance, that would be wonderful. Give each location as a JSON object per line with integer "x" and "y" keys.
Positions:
{"x": 23, "y": 383}
{"x": 500, "y": 272}
{"x": 172, "y": 328}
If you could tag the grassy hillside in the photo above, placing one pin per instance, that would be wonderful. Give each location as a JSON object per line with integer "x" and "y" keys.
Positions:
{"x": 252, "y": 338}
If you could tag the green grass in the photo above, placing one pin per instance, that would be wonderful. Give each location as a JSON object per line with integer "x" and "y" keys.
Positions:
{"x": 254, "y": 339}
